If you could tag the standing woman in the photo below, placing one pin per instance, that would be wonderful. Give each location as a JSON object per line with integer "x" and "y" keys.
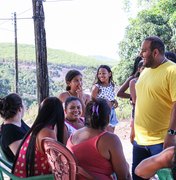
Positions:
{"x": 122, "y": 92}
{"x": 13, "y": 128}
{"x": 31, "y": 159}
{"x": 74, "y": 83}
{"x": 132, "y": 85}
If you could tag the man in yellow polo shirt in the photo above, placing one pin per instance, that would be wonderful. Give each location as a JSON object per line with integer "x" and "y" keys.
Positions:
{"x": 155, "y": 110}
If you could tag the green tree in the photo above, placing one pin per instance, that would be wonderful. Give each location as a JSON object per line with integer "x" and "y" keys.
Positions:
{"x": 159, "y": 20}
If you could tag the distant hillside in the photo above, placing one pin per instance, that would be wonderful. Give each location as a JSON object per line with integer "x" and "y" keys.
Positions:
{"x": 59, "y": 62}
{"x": 103, "y": 58}
{"x": 27, "y": 53}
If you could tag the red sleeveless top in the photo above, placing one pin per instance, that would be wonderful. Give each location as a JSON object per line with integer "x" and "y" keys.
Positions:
{"x": 90, "y": 159}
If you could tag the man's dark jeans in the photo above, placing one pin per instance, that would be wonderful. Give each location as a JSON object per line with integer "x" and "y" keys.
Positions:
{"x": 143, "y": 152}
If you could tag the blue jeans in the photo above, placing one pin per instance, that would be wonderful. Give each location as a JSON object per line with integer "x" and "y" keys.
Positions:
{"x": 113, "y": 118}
{"x": 142, "y": 152}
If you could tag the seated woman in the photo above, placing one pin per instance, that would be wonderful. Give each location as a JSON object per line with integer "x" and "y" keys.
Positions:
{"x": 149, "y": 167}
{"x": 74, "y": 87}
{"x": 13, "y": 128}
{"x": 103, "y": 148}
{"x": 73, "y": 111}
{"x": 31, "y": 159}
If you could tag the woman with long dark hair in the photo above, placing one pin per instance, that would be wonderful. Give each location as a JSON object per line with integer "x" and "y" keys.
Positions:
{"x": 31, "y": 159}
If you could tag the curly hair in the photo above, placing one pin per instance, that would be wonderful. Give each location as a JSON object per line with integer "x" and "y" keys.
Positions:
{"x": 10, "y": 105}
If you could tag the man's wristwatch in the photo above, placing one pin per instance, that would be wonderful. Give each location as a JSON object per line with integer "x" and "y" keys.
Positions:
{"x": 171, "y": 132}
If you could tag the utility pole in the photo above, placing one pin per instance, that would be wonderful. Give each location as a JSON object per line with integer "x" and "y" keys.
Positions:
{"x": 41, "y": 51}
{"x": 16, "y": 54}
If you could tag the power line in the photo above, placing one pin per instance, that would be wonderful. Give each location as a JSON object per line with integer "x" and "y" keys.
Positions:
{"x": 24, "y": 11}
{"x": 11, "y": 19}
{"x": 6, "y": 29}
{"x": 3, "y": 19}
{"x": 56, "y": 0}
{"x": 19, "y": 14}
{"x": 7, "y": 19}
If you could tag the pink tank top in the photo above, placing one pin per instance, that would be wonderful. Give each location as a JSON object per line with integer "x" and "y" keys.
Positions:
{"x": 41, "y": 165}
{"x": 90, "y": 159}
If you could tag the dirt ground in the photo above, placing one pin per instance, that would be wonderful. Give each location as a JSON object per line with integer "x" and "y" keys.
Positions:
{"x": 123, "y": 132}
{"x": 123, "y": 129}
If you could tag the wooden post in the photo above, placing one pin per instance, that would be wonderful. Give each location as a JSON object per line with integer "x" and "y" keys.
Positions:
{"x": 16, "y": 54}
{"x": 41, "y": 51}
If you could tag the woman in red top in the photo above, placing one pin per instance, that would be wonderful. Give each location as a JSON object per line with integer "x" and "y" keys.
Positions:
{"x": 31, "y": 159}
{"x": 104, "y": 154}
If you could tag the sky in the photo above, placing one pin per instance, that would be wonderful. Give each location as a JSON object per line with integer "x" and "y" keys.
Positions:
{"x": 86, "y": 27}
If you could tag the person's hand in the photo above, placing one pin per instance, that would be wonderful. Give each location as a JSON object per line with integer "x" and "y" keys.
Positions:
{"x": 79, "y": 92}
{"x": 115, "y": 103}
{"x": 169, "y": 141}
{"x": 132, "y": 136}
{"x": 110, "y": 104}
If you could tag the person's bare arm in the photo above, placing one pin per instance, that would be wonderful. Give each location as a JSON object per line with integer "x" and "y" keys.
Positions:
{"x": 133, "y": 90}
{"x": 148, "y": 167}
{"x": 88, "y": 98}
{"x": 66, "y": 134}
{"x": 45, "y": 132}
{"x": 14, "y": 146}
{"x": 132, "y": 132}
{"x": 94, "y": 92}
{"x": 63, "y": 96}
{"x": 170, "y": 139}
{"x": 122, "y": 91}
{"x": 116, "y": 156}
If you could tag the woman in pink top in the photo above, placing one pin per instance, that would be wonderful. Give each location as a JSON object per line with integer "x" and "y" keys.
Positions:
{"x": 31, "y": 159}
{"x": 73, "y": 111}
{"x": 98, "y": 151}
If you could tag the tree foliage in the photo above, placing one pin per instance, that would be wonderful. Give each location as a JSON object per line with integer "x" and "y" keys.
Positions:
{"x": 158, "y": 20}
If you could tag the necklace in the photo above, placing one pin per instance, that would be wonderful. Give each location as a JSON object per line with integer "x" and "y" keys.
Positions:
{"x": 70, "y": 94}
{"x": 163, "y": 61}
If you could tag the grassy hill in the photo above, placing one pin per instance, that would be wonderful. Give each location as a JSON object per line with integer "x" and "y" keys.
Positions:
{"x": 27, "y": 53}
{"x": 59, "y": 62}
